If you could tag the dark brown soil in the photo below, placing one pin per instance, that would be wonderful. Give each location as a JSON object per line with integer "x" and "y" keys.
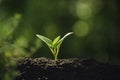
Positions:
{"x": 66, "y": 69}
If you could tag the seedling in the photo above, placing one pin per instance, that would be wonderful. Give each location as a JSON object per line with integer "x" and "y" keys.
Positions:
{"x": 55, "y": 44}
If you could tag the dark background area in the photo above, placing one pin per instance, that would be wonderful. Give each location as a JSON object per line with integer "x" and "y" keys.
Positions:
{"x": 95, "y": 24}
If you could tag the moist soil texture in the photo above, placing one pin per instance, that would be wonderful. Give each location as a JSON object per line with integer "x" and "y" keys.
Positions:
{"x": 66, "y": 69}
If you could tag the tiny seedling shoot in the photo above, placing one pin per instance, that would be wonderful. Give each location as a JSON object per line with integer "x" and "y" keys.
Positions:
{"x": 55, "y": 44}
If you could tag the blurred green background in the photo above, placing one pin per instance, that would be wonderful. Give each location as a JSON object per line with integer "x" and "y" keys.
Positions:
{"x": 95, "y": 24}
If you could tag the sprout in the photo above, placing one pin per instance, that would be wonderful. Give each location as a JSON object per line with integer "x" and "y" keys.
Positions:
{"x": 55, "y": 44}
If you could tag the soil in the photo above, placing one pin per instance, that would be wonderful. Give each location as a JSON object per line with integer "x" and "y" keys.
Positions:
{"x": 66, "y": 69}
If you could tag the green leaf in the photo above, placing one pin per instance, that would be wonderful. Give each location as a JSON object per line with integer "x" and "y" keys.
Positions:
{"x": 45, "y": 39}
{"x": 61, "y": 40}
{"x": 55, "y": 40}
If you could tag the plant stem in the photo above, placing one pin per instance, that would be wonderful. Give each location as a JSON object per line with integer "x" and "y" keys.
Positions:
{"x": 55, "y": 57}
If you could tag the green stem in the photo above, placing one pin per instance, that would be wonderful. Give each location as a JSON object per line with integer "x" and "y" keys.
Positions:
{"x": 56, "y": 56}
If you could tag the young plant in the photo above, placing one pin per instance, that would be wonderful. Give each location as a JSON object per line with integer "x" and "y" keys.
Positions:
{"x": 55, "y": 44}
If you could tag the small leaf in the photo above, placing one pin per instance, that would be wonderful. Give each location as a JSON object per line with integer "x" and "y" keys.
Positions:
{"x": 61, "y": 40}
{"x": 45, "y": 39}
{"x": 55, "y": 40}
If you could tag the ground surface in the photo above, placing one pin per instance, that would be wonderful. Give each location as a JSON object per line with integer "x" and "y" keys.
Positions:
{"x": 66, "y": 69}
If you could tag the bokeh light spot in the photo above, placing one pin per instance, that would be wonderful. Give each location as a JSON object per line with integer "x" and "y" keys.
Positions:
{"x": 84, "y": 10}
{"x": 81, "y": 28}
{"x": 51, "y": 29}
